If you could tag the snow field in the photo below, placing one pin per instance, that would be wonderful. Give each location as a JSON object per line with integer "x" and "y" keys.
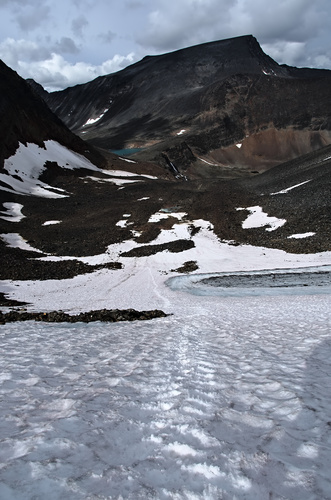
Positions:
{"x": 225, "y": 399}
{"x": 123, "y": 288}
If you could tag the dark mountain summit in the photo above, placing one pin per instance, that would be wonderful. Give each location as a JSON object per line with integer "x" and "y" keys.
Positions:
{"x": 197, "y": 104}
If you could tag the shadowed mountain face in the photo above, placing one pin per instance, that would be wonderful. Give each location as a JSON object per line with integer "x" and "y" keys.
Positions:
{"x": 26, "y": 118}
{"x": 224, "y": 104}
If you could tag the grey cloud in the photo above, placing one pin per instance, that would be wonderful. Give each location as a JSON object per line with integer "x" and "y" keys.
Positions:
{"x": 284, "y": 27}
{"x": 107, "y": 37}
{"x": 4, "y": 3}
{"x": 66, "y": 45}
{"x": 78, "y": 26}
{"x": 294, "y": 21}
{"x": 32, "y": 18}
{"x": 186, "y": 23}
{"x": 134, "y": 4}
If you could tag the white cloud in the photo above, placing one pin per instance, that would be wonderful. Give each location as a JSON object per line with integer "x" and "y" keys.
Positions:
{"x": 56, "y": 72}
{"x": 12, "y": 51}
{"x": 283, "y": 52}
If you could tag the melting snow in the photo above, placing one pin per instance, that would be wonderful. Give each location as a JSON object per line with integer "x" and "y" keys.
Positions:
{"x": 258, "y": 218}
{"x": 208, "y": 162}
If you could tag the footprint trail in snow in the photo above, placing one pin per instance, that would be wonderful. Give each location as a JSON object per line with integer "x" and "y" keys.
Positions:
{"x": 230, "y": 399}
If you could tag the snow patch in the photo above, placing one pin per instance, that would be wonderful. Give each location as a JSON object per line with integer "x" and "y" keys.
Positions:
{"x": 90, "y": 121}
{"x": 287, "y": 190}
{"x": 258, "y": 218}
{"x": 126, "y": 159}
{"x": 13, "y": 212}
{"x": 181, "y": 132}
{"x": 158, "y": 216}
{"x": 112, "y": 180}
{"x": 301, "y": 235}
{"x": 22, "y": 170}
{"x": 208, "y": 162}
{"x": 51, "y": 222}
{"x": 15, "y": 240}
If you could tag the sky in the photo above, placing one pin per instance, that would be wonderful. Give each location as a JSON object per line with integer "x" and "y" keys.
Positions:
{"x": 66, "y": 42}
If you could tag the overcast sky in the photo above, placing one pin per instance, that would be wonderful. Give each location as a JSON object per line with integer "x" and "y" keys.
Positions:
{"x": 60, "y": 43}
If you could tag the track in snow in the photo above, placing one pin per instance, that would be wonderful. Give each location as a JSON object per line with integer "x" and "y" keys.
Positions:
{"x": 229, "y": 400}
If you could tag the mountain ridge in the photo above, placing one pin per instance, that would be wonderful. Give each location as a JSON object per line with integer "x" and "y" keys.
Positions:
{"x": 201, "y": 100}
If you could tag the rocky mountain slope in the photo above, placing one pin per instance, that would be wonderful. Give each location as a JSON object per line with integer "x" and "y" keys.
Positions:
{"x": 224, "y": 104}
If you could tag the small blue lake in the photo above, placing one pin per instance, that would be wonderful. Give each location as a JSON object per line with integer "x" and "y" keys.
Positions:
{"x": 125, "y": 152}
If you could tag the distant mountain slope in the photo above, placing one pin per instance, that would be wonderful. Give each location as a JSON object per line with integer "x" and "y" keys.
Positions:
{"x": 196, "y": 104}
